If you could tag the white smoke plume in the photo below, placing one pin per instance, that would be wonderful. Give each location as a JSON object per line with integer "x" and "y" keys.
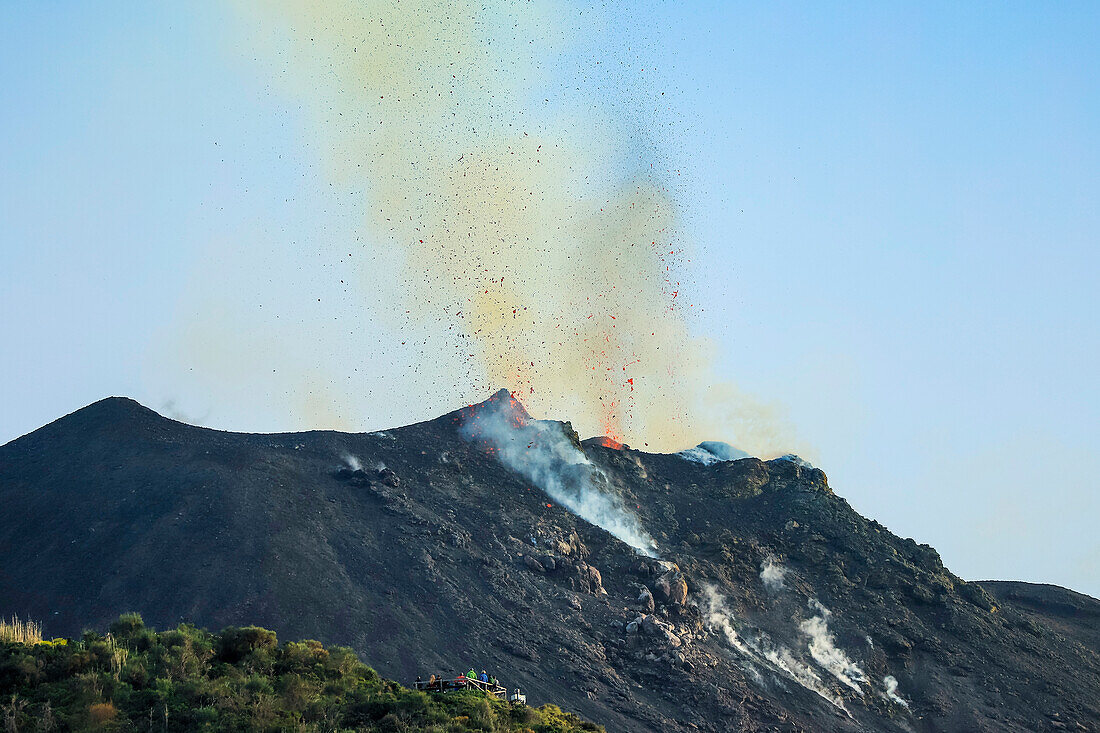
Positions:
{"x": 353, "y": 462}
{"x": 825, "y": 652}
{"x": 757, "y": 647}
{"x": 891, "y": 684}
{"x": 761, "y": 649}
{"x": 710, "y": 452}
{"x": 542, "y": 452}
{"x": 772, "y": 572}
{"x": 782, "y": 658}
{"x": 717, "y": 616}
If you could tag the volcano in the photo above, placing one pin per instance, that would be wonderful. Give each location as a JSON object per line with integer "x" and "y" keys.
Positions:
{"x": 765, "y": 603}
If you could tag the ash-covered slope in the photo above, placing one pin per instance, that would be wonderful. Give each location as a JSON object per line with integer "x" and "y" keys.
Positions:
{"x": 770, "y": 604}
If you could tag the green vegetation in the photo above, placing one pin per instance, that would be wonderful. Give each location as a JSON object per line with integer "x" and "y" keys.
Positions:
{"x": 188, "y": 679}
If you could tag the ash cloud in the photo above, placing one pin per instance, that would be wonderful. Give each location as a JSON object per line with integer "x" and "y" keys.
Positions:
{"x": 529, "y": 240}
{"x": 541, "y": 451}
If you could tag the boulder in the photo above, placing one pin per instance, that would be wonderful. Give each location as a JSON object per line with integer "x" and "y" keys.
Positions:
{"x": 668, "y": 638}
{"x": 657, "y": 630}
{"x": 576, "y": 546}
{"x": 645, "y": 600}
{"x": 355, "y": 477}
{"x": 594, "y": 577}
{"x": 548, "y": 563}
{"x": 584, "y": 577}
{"x": 533, "y": 564}
{"x": 671, "y": 587}
{"x": 678, "y": 589}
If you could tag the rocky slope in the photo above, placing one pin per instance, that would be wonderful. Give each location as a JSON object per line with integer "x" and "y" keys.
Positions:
{"x": 769, "y": 604}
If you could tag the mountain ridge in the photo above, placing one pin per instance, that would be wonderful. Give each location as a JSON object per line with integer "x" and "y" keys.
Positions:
{"x": 431, "y": 552}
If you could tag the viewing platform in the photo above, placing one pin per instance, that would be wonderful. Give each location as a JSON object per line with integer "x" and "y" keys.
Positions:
{"x": 466, "y": 683}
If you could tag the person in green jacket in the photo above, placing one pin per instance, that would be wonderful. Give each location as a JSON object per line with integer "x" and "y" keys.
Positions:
{"x": 471, "y": 675}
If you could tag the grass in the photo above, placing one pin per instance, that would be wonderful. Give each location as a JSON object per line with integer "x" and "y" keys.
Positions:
{"x": 18, "y": 631}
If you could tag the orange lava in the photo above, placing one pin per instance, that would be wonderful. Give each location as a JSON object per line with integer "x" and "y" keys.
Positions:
{"x": 607, "y": 442}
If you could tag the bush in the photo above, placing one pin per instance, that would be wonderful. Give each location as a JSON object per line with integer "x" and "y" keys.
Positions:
{"x": 101, "y": 713}
{"x": 259, "y": 685}
{"x": 235, "y": 644}
{"x": 481, "y": 715}
{"x": 391, "y": 722}
{"x": 127, "y": 625}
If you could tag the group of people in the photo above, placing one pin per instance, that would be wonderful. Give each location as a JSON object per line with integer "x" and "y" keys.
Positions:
{"x": 437, "y": 683}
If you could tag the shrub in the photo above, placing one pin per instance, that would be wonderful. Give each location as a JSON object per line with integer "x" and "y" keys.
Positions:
{"x": 101, "y": 713}
{"x": 391, "y": 722}
{"x": 481, "y": 716}
{"x": 127, "y": 625}
{"x": 258, "y": 684}
{"x": 136, "y": 675}
{"x": 525, "y": 716}
{"x": 235, "y": 644}
{"x": 302, "y": 655}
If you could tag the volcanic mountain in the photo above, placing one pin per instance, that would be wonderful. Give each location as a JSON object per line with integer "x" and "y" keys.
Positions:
{"x": 643, "y": 591}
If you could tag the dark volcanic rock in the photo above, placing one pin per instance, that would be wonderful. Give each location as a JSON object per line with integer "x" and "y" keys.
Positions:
{"x": 445, "y": 559}
{"x": 645, "y": 599}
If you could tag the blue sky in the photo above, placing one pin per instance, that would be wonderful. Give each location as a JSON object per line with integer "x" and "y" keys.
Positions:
{"x": 891, "y": 210}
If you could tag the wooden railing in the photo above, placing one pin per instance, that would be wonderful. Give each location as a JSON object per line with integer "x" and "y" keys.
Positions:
{"x": 460, "y": 683}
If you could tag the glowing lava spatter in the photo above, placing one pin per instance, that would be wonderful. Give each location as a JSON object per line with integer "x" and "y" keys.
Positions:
{"x": 608, "y": 442}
